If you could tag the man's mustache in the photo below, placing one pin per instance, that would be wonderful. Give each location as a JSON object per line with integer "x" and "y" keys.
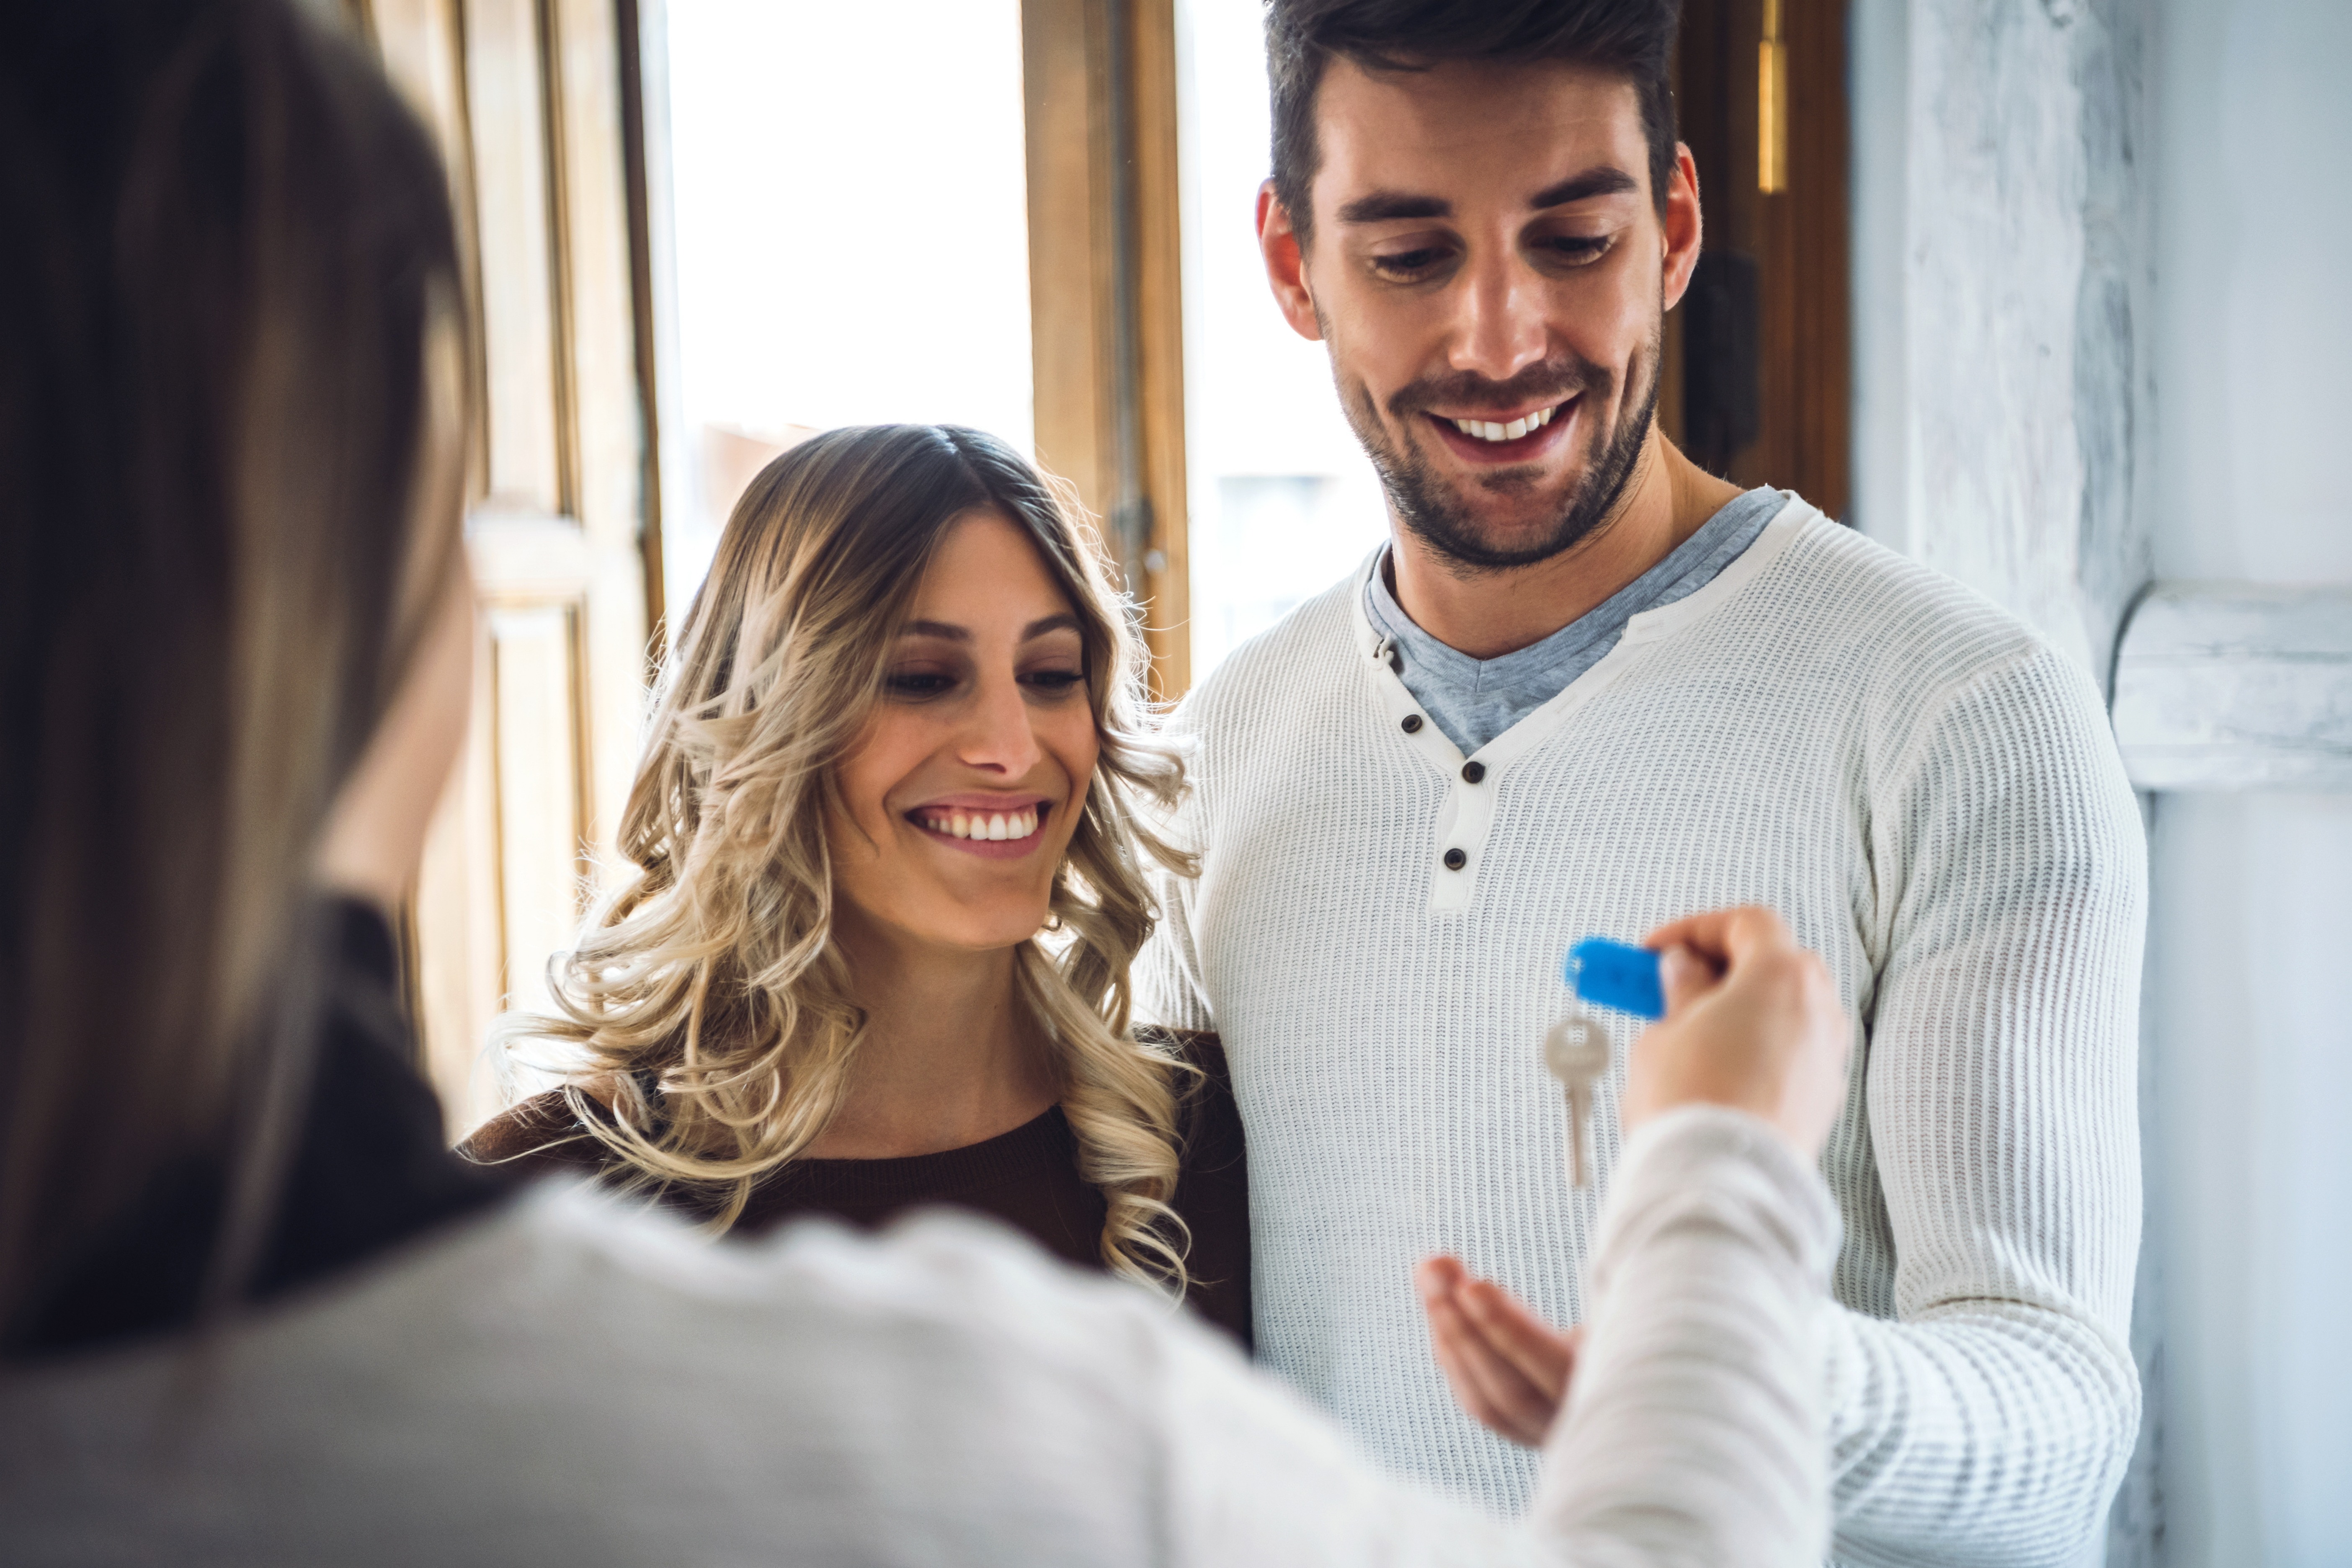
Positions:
{"x": 1548, "y": 382}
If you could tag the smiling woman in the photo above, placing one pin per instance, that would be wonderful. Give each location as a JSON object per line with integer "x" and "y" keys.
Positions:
{"x": 888, "y": 886}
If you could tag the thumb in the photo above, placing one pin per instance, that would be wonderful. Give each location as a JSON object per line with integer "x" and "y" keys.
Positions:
{"x": 1684, "y": 977}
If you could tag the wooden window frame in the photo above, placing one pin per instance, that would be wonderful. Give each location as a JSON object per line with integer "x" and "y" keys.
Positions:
{"x": 1105, "y": 291}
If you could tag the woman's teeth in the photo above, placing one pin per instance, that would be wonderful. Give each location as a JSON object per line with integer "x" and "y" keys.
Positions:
{"x": 1487, "y": 430}
{"x": 997, "y": 824}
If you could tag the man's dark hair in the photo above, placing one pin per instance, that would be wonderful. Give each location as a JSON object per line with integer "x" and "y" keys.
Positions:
{"x": 1631, "y": 38}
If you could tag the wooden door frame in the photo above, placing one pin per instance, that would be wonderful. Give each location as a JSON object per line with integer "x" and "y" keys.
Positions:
{"x": 1797, "y": 236}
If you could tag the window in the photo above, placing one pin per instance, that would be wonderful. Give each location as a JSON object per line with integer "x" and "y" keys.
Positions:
{"x": 850, "y": 231}
{"x": 1284, "y": 501}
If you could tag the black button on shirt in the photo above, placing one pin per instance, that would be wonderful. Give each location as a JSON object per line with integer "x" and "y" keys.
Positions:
{"x": 1456, "y": 859}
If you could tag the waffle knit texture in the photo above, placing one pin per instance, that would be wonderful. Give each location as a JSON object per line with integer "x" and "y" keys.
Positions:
{"x": 575, "y": 1381}
{"x": 1476, "y": 700}
{"x": 1927, "y": 792}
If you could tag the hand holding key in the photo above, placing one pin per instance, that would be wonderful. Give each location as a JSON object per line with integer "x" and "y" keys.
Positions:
{"x": 1753, "y": 1021}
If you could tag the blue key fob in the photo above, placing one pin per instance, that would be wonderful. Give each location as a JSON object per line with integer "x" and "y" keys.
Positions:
{"x": 1617, "y": 974}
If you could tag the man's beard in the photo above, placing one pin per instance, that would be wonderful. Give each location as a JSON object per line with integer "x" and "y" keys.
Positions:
{"x": 1440, "y": 522}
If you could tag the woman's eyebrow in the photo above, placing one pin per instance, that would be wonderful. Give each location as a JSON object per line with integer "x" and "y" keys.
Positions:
{"x": 935, "y": 629}
{"x": 1066, "y": 621}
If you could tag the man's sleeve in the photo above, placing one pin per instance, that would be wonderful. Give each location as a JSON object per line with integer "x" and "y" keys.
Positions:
{"x": 1990, "y": 1422}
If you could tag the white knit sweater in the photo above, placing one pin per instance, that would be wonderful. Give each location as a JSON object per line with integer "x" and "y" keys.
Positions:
{"x": 1927, "y": 793}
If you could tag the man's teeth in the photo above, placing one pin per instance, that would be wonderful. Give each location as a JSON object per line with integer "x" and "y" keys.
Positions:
{"x": 997, "y": 826}
{"x": 1487, "y": 430}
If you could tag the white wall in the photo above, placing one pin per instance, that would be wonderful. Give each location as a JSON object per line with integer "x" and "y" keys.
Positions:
{"x": 1999, "y": 227}
{"x": 2251, "y": 948}
{"x": 2103, "y": 275}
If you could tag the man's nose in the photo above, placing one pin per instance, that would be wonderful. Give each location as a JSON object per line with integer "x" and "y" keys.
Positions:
{"x": 1500, "y": 327}
{"x": 997, "y": 735}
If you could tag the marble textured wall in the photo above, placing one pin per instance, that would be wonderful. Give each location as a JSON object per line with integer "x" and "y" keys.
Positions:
{"x": 1998, "y": 443}
{"x": 2100, "y": 326}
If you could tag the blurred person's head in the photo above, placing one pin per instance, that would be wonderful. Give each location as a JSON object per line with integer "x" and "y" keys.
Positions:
{"x": 905, "y": 718}
{"x": 229, "y": 506}
{"x": 1481, "y": 209}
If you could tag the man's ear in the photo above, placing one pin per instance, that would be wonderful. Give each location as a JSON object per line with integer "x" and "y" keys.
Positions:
{"x": 1285, "y": 265}
{"x": 1682, "y": 224}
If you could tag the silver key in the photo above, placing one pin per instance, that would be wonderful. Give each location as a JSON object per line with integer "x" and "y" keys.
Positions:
{"x": 1577, "y": 1052}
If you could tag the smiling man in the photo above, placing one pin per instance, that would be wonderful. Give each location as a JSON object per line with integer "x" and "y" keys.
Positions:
{"x": 1588, "y": 688}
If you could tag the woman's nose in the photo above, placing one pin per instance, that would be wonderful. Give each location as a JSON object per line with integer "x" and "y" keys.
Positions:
{"x": 1000, "y": 736}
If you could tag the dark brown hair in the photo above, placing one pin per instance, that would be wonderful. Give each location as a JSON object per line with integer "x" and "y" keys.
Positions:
{"x": 229, "y": 246}
{"x": 1631, "y": 38}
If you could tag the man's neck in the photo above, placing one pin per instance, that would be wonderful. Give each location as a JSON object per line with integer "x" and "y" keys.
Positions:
{"x": 1490, "y": 614}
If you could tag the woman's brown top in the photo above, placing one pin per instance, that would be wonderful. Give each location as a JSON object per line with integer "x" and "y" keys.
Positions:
{"x": 1027, "y": 1177}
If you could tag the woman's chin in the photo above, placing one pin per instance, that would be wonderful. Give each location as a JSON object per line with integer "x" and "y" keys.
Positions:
{"x": 952, "y": 901}
{"x": 954, "y": 926}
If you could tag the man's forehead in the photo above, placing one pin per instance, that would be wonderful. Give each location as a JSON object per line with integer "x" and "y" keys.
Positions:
{"x": 1464, "y": 128}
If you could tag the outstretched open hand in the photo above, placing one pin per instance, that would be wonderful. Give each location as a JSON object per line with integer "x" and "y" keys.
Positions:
{"x": 1508, "y": 1368}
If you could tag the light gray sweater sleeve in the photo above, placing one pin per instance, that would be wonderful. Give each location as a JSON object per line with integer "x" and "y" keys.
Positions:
{"x": 1694, "y": 1434}
{"x": 572, "y": 1382}
{"x": 1694, "y": 1431}
{"x": 1990, "y": 1422}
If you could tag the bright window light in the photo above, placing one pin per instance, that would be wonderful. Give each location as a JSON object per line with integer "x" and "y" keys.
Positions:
{"x": 851, "y": 234}
{"x": 1283, "y": 500}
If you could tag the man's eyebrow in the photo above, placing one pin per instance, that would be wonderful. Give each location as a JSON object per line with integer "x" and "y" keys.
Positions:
{"x": 1605, "y": 181}
{"x": 1387, "y": 207}
{"x": 1382, "y": 206}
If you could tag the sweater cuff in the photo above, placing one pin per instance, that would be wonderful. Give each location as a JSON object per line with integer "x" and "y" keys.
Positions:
{"x": 1713, "y": 1156}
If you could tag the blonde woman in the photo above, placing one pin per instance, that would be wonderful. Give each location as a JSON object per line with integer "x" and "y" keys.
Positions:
{"x": 889, "y": 881}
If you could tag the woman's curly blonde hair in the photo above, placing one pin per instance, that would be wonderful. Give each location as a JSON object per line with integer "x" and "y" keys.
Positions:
{"x": 707, "y": 997}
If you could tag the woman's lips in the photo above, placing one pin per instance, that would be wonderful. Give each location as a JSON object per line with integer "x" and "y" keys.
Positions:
{"x": 993, "y": 832}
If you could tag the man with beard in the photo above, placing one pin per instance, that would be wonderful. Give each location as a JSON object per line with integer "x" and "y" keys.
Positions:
{"x": 1583, "y": 689}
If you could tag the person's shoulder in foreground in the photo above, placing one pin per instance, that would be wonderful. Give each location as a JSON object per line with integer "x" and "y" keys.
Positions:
{"x": 932, "y": 1396}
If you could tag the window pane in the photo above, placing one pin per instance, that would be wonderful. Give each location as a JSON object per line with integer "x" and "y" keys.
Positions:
{"x": 1283, "y": 500}
{"x": 851, "y": 233}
